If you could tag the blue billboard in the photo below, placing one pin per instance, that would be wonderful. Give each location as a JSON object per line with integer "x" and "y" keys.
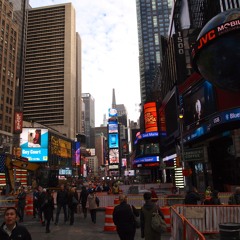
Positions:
{"x": 113, "y": 140}
{"x": 34, "y": 144}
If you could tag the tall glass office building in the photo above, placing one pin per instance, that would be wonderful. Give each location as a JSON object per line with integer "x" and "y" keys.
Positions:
{"x": 153, "y": 23}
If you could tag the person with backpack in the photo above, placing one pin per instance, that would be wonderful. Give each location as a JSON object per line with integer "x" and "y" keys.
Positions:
{"x": 147, "y": 211}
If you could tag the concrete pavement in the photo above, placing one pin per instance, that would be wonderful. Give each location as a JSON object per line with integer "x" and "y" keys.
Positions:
{"x": 82, "y": 228}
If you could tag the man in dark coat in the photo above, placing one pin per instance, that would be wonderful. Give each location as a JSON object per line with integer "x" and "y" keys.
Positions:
{"x": 21, "y": 203}
{"x": 83, "y": 200}
{"x": 192, "y": 197}
{"x": 48, "y": 207}
{"x": 10, "y": 229}
{"x": 123, "y": 218}
{"x": 62, "y": 197}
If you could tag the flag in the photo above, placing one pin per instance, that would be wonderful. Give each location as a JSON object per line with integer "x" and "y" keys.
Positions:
{"x": 2, "y": 163}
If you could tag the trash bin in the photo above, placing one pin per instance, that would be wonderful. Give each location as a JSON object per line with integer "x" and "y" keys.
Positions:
{"x": 229, "y": 231}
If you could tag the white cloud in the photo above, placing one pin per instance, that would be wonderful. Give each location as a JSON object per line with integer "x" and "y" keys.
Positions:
{"x": 108, "y": 29}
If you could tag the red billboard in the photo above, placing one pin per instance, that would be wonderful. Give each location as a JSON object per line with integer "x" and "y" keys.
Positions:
{"x": 150, "y": 117}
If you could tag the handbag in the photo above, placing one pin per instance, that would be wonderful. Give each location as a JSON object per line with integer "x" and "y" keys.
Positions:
{"x": 97, "y": 201}
{"x": 74, "y": 200}
{"x": 136, "y": 219}
{"x": 157, "y": 223}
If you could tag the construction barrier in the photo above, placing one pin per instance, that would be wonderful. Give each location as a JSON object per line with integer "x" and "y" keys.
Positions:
{"x": 182, "y": 229}
{"x": 167, "y": 217}
{"x": 206, "y": 218}
{"x": 109, "y": 226}
{"x": 29, "y": 205}
{"x": 116, "y": 201}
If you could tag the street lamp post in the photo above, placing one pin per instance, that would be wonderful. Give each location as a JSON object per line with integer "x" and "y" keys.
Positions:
{"x": 187, "y": 182}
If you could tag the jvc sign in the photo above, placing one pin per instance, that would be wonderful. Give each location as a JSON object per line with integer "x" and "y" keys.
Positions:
{"x": 194, "y": 154}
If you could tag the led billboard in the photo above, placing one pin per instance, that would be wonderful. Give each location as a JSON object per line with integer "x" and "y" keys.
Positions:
{"x": 60, "y": 147}
{"x": 198, "y": 103}
{"x": 113, "y": 156}
{"x": 113, "y": 140}
{"x": 77, "y": 153}
{"x": 150, "y": 117}
{"x": 113, "y": 127}
{"x": 34, "y": 144}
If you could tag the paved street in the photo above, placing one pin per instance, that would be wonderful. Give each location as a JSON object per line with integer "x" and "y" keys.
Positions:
{"x": 83, "y": 228}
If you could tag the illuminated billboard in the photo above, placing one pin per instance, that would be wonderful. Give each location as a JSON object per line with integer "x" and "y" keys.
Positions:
{"x": 113, "y": 156}
{"x": 112, "y": 112}
{"x": 113, "y": 127}
{"x": 34, "y": 144}
{"x": 77, "y": 153}
{"x": 113, "y": 140}
{"x": 60, "y": 147}
{"x": 198, "y": 103}
{"x": 150, "y": 117}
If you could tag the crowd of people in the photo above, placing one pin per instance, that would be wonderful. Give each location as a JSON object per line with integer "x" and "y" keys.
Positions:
{"x": 126, "y": 217}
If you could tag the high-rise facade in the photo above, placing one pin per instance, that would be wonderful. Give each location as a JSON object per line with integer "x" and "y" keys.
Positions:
{"x": 51, "y": 72}
{"x": 20, "y": 13}
{"x": 153, "y": 23}
{"x": 89, "y": 123}
{"x": 8, "y": 69}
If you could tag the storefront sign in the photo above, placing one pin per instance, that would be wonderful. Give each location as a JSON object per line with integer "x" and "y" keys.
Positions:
{"x": 194, "y": 154}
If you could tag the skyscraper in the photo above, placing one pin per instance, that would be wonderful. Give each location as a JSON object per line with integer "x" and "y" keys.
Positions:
{"x": 153, "y": 22}
{"x": 8, "y": 69}
{"x": 20, "y": 10}
{"x": 51, "y": 74}
{"x": 89, "y": 122}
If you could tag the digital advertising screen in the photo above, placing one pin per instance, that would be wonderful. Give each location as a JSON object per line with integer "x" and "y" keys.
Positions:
{"x": 60, "y": 147}
{"x": 77, "y": 153}
{"x": 113, "y": 140}
{"x": 150, "y": 117}
{"x": 198, "y": 103}
{"x": 34, "y": 144}
{"x": 65, "y": 171}
{"x": 114, "y": 156}
{"x": 112, "y": 112}
{"x": 113, "y": 127}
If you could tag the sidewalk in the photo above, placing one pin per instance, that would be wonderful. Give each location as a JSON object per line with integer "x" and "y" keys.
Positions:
{"x": 83, "y": 228}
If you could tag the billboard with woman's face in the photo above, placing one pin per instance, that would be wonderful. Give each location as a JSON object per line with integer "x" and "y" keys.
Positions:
{"x": 34, "y": 144}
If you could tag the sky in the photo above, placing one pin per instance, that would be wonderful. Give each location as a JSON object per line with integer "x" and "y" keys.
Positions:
{"x": 108, "y": 30}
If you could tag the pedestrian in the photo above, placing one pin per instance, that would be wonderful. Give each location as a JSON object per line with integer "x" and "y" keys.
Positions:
{"x": 208, "y": 192}
{"x": 41, "y": 199}
{"x": 35, "y": 202}
{"x": 83, "y": 200}
{"x": 146, "y": 213}
{"x": 192, "y": 197}
{"x": 234, "y": 199}
{"x": 72, "y": 203}
{"x": 92, "y": 205}
{"x": 213, "y": 199}
{"x": 10, "y": 229}
{"x": 21, "y": 203}
{"x": 115, "y": 188}
{"x": 48, "y": 207}
{"x": 123, "y": 218}
{"x": 154, "y": 195}
{"x": 62, "y": 197}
